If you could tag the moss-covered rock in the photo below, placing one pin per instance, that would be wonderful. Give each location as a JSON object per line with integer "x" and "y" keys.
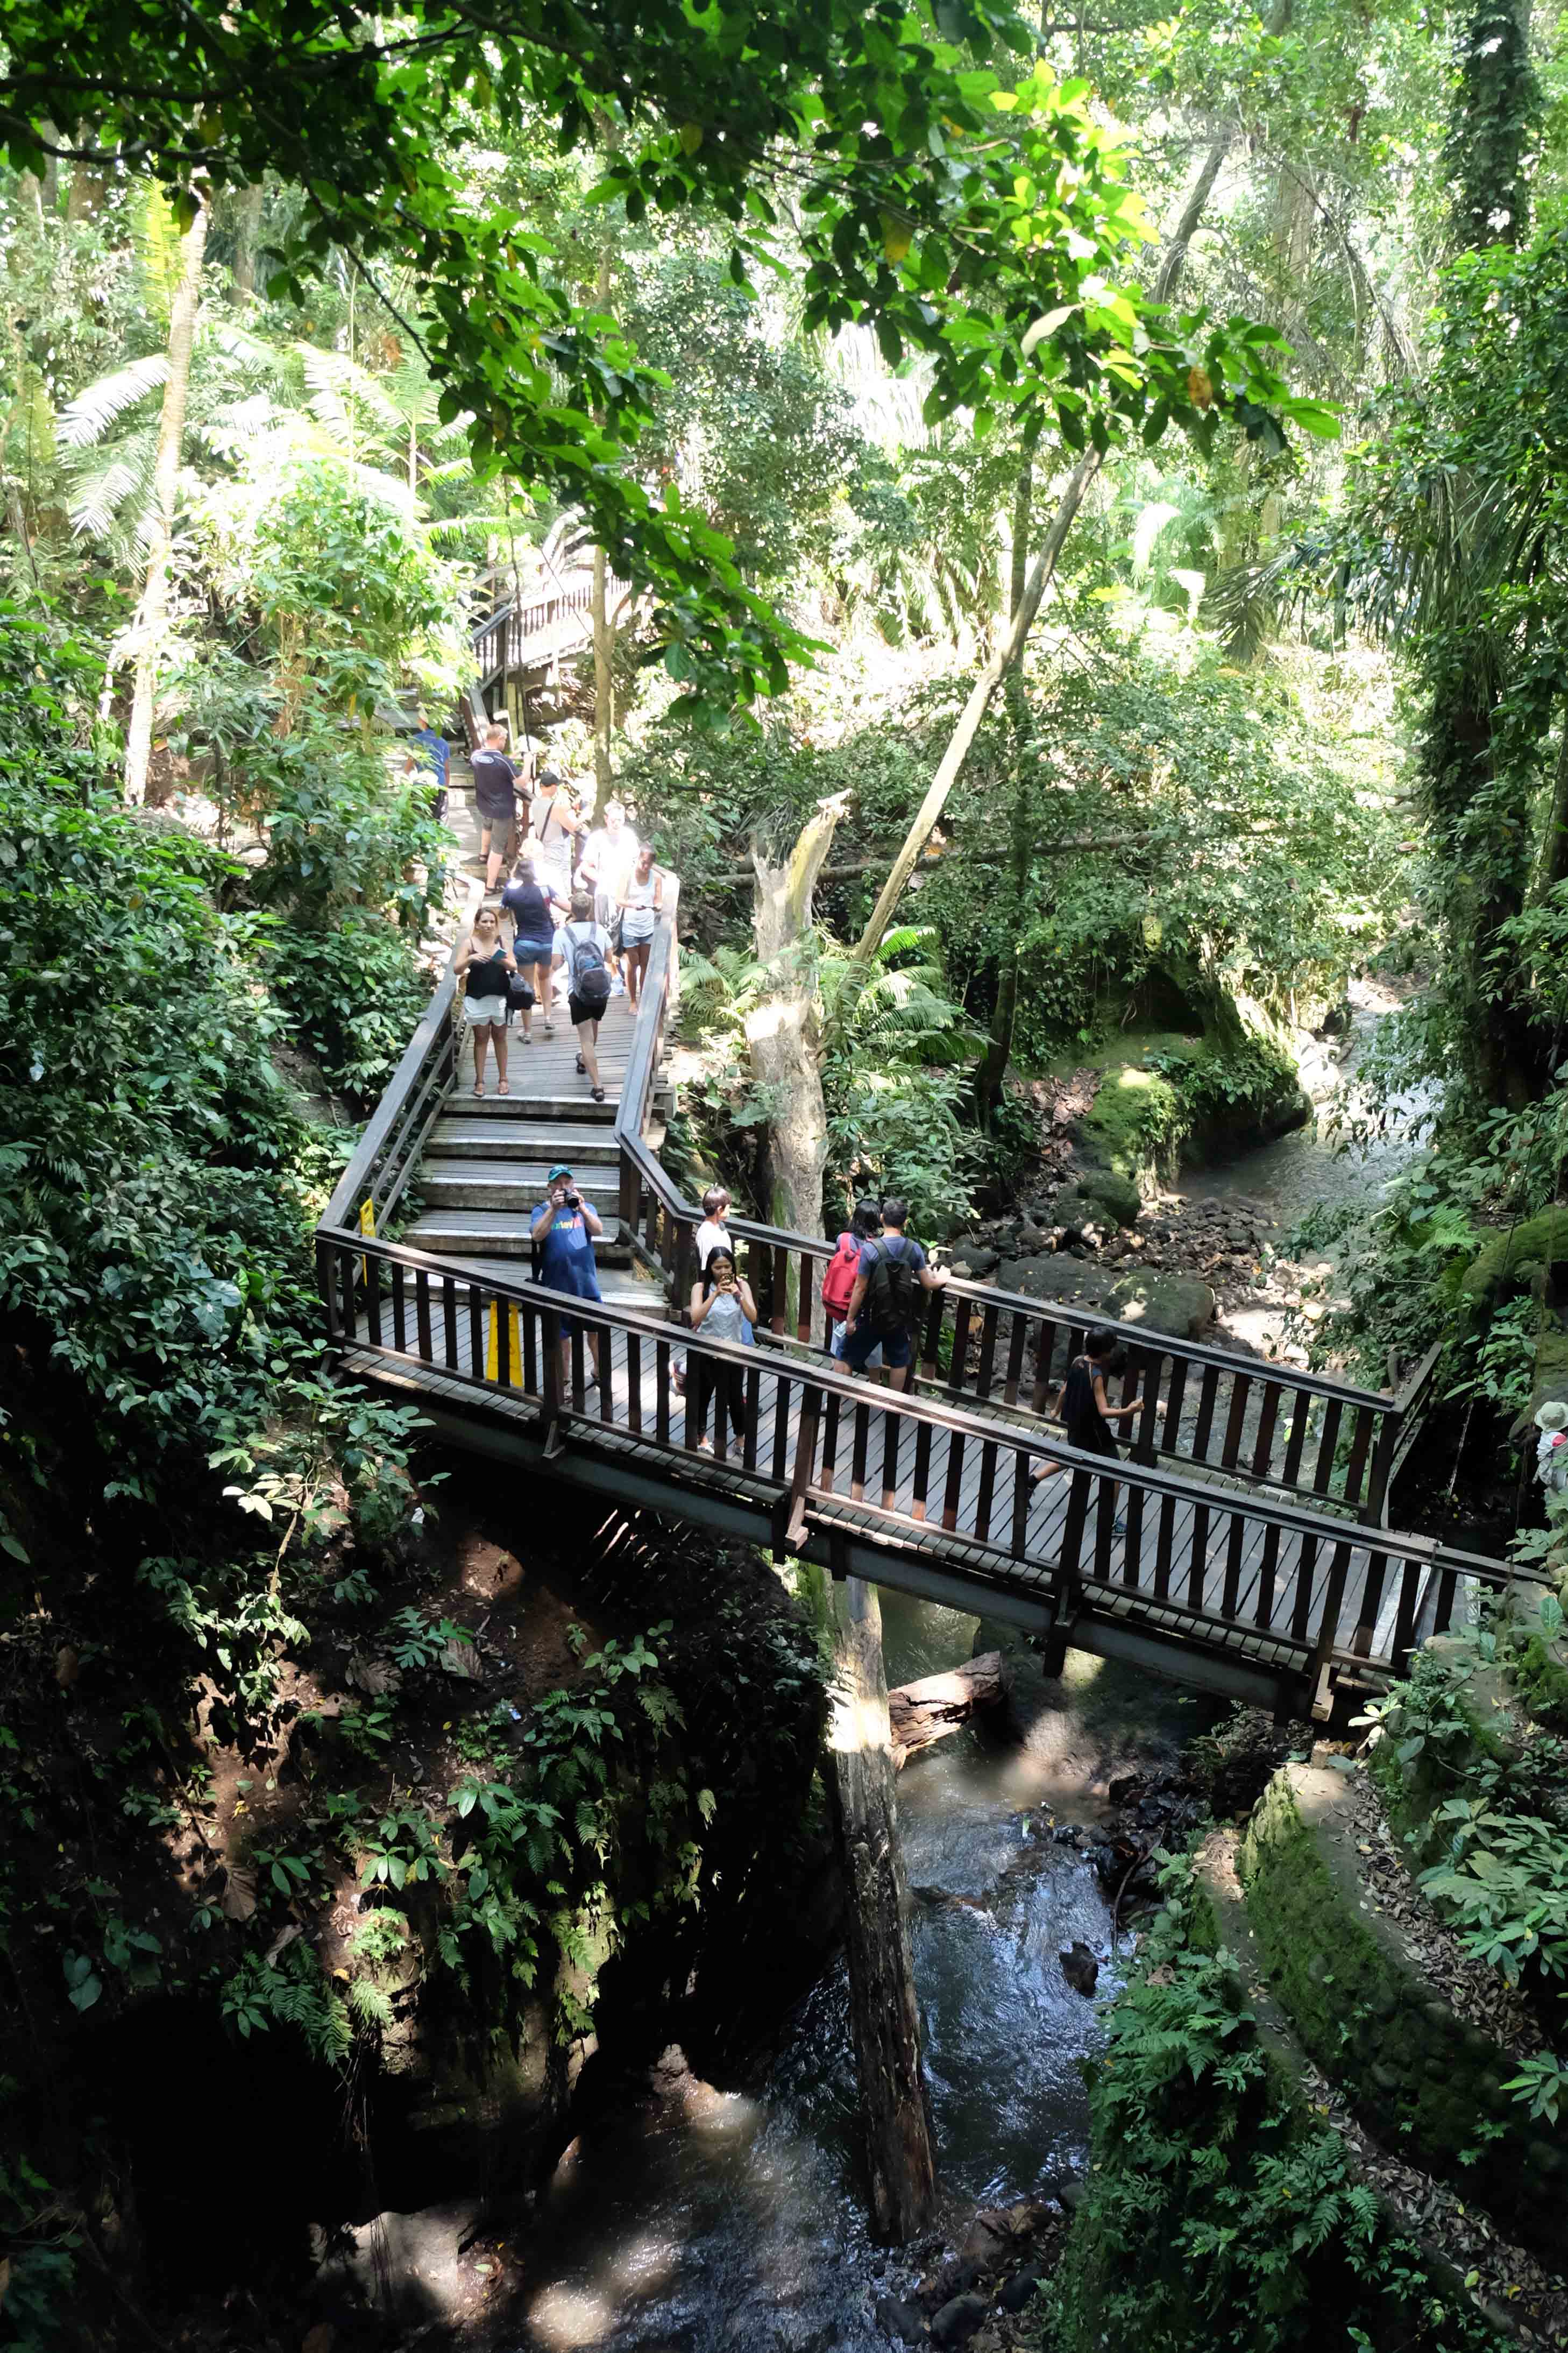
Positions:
{"x": 1098, "y": 1196}
{"x": 1514, "y": 1260}
{"x": 1418, "y": 2074}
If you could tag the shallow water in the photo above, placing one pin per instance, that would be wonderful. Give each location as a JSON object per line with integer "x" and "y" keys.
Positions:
{"x": 709, "y": 2220}
{"x": 1330, "y": 1162}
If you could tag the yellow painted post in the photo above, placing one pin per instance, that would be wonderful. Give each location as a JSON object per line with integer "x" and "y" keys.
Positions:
{"x": 367, "y": 1226}
{"x": 514, "y": 1345}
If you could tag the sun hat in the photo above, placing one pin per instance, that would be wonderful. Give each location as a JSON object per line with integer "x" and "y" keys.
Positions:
{"x": 1553, "y": 1415}
{"x": 560, "y": 1169}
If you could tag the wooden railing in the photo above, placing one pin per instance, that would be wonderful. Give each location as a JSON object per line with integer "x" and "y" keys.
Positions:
{"x": 501, "y": 641}
{"x": 389, "y": 1149}
{"x": 1206, "y": 1564}
{"x": 1259, "y": 1424}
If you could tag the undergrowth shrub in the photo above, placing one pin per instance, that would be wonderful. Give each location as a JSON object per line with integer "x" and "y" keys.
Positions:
{"x": 1220, "y": 2213}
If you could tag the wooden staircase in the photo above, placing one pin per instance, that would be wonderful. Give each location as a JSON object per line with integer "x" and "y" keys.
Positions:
{"x": 487, "y": 1159}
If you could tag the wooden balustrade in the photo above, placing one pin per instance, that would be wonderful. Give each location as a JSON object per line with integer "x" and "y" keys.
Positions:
{"x": 1256, "y": 1423}
{"x": 820, "y": 1446}
{"x": 388, "y": 1151}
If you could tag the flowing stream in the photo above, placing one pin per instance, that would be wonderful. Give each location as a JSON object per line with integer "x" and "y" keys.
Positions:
{"x": 713, "y": 2220}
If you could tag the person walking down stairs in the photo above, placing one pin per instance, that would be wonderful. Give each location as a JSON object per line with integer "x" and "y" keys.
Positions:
{"x": 486, "y": 962}
{"x": 583, "y": 946}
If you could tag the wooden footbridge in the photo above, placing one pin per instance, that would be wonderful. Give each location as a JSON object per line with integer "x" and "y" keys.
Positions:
{"x": 1243, "y": 1545}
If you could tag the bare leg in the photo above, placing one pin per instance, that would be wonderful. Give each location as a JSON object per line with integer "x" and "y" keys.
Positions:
{"x": 495, "y": 860}
{"x": 482, "y": 1040}
{"x": 498, "y": 1038}
{"x": 587, "y": 1038}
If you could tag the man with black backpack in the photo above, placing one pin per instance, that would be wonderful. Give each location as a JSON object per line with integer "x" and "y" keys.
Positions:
{"x": 583, "y": 947}
{"x": 883, "y": 1304}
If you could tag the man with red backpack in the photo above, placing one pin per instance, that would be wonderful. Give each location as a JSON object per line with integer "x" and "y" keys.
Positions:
{"x": 894, "y": 1271}
{"x": 839, "y": 1275}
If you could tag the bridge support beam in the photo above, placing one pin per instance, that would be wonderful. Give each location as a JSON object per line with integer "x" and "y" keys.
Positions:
{"x": 886, "y": 2015}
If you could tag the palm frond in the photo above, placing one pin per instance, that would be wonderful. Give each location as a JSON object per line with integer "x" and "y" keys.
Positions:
{"x": 88, "y": 418}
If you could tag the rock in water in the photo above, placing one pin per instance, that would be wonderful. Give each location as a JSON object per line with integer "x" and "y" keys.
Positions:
{"x": 904, "y": 2322}
{"x": 956, "y": 2323}
{"x": 1080, "y": 1968}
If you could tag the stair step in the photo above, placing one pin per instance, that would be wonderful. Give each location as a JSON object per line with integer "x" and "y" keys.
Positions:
{"x": 516, "y": 1185}
{"x": 622, "y": 1286}
{"x": 499, "y": 1233}
{"x": 578, "y": 1110}
{"x": 457, "y": 1137}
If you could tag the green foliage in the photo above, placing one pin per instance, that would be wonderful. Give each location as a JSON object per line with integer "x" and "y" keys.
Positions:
{"x": 39, "y": 2233}
{"x": 292, "y": 1992}
{"x": 1219, "y": 2213}
{"x": 981, "y": 219}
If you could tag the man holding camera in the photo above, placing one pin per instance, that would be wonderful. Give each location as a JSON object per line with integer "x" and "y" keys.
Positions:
{"x": 563, "y": 1233}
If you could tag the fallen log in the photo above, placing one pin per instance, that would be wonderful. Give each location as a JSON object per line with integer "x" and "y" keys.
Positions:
{"x": 919, "y": 1713}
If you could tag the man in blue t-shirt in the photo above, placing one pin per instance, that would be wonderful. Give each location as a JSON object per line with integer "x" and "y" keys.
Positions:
{"x": 881, "y": 1306}
{"x": 434, "y": 753}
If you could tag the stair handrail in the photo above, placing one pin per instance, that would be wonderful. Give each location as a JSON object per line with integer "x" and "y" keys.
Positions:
{"x": 381, "y": 1163}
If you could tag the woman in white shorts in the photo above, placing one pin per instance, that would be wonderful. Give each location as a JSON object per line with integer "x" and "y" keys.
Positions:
{"x": 641, "y": 905}
{"x": 489, "y": 964}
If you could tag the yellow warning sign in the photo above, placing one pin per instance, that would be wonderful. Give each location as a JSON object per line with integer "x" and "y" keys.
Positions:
{"x": 514, "y": 1345}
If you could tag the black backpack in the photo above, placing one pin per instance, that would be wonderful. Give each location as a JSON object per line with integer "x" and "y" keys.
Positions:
{"x": 590, "y": 975}
{"x": 890, "y": 1288}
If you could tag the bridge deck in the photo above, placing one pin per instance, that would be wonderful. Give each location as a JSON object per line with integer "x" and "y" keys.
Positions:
{"x": 1171, "y": 1562}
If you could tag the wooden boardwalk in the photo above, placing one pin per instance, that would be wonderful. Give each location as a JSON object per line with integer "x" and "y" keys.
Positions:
{"x": 1241, "y": 1544}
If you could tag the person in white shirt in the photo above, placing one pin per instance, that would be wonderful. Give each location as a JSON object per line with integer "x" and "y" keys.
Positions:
{"x": 641, "y": 906}
{"x": 554, "y": 823}
{"x": 713, "y": 1233}
{"x": 608, "y": 862}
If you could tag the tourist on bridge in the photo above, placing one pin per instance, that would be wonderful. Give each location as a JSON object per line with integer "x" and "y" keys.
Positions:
{"x": 723, "y": 1308}
{"x": 638, "y": 910}
{"x": 882, "y": 1306}
{"x": 486, "y": 962}
{"x": 582, "y": 948}
{"x": 529, "y": 906}
{"x": 495, "y": 800}
{"x": 609, "y": 856}
{"x": 433, "y": 757}
{"x": 554, "y": 821}
{"x": 1085, "y": 1411}
{"x": 838, "y": 1278}
{"x": 562, "y": 1232}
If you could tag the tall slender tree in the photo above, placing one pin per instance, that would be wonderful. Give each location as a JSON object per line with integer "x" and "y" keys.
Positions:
{"x": 150, "y": 628}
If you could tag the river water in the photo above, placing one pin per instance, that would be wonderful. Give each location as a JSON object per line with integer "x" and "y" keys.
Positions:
{"x": 727, "y": 2220}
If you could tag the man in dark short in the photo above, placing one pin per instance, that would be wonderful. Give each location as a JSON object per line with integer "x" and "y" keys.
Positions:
{"x": 495, "y": 798}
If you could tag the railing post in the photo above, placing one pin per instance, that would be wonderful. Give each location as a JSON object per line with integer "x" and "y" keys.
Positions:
{"x": 804, "y": 1465}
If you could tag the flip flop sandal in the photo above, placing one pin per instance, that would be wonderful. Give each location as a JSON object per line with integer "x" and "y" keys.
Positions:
{"x": 504, "y": 1088}
{"x": 581, "y": 1066}
{"x": 479, "y": 1088}
{"x": 598, "y": 1094}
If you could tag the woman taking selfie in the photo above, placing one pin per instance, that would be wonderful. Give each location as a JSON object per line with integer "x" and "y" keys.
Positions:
{"x": 489, "y": 964}
{"x": 723, "y": 1308}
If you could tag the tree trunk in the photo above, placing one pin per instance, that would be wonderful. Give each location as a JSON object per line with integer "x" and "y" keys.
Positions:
{"x": 980, "y": 698}
{"x": 246, "y": 240}
{"x": 991, "y": 1076}
{"x": 149, "y": 629}
{"x": 920, "y": 1713}
{"x": 604, "y": 630}
{"x": 884, "y": 2013}
{"x": 783, "y": 1029}
{"x": 1552, "y": 858}
{"x": 604, "y": 686}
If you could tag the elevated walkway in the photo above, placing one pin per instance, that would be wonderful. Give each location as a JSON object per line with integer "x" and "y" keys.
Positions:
{"x": 1241, "y": 1546}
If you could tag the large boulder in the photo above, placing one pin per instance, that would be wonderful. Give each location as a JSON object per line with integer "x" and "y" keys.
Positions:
{"x": 1180, "y": 1304}
{"x": 1097, "y": 1197}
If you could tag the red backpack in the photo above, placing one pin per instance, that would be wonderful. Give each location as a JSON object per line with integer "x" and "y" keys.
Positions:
{"x": 838, "y": 1281}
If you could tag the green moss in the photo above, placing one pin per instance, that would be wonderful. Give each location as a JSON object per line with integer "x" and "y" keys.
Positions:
{"x": 1135, "y": 1119}
{"x": 1419, "y": 2077}
{"x": 1507, "y": 1265}
{"x": 1541, "y": 1682}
